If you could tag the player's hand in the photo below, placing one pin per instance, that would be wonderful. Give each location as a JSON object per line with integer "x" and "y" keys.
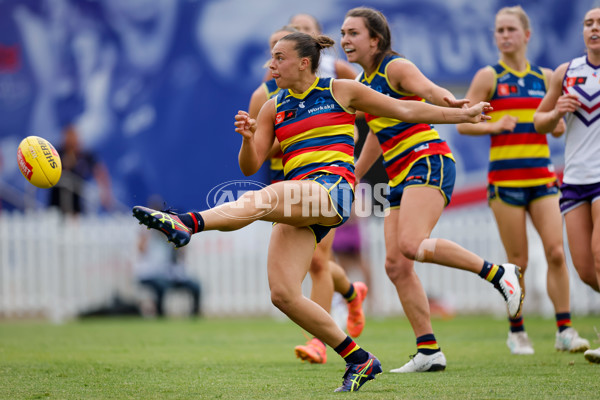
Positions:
{"x": 476, "y": 112}
{"x": 244, "y": 125}
{"x": 567, "y": 103}
{"x": 452, "y": 102}
{"x": 507, "y": 123}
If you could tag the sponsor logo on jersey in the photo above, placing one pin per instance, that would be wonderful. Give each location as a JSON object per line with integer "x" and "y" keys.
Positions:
{"x": 576, "y": 80}
{"x": 536, "y": 93}
{"x": 506, "y": 89}
{"x": 283, "y": 116}
{"x": 321, "y": 109}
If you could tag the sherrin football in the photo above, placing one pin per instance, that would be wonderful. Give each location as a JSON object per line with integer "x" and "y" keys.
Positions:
{"x": 39, "y": 162}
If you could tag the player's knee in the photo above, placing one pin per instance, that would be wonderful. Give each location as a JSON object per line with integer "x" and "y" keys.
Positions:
{"x": 284, "y": 296}
{"x": 519, "y": 258}
{"x": 408, "y": 243}
{"x": 408, "y": 247}
{"x": 280, "y": 297}
{"x": 555, "y": 256}
{"x": 589, "y": 277}
{"x": 319, "y": 264}
{"x": 398, "y": 268}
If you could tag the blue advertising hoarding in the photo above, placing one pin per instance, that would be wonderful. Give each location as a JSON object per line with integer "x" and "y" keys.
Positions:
{"x": 152, "y": 85}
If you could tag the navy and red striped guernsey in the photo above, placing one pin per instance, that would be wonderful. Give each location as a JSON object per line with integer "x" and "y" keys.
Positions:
{"x": 520, "y": 158}
{"x": 276, "y": 165}
{"x": 315, "y": 132}
{"x": 402, "y": 143}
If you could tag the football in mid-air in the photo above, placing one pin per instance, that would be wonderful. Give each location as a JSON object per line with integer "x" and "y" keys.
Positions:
{"x": 39, "y": 162}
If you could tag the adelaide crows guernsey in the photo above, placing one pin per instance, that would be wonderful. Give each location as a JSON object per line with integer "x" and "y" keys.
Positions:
{"x": 315, "y": 132}
{"x": 520, "y": 158}
{"x": 276, "y": 167}
{"x": 402, "y": 143}
{"x": 582, "y": 139}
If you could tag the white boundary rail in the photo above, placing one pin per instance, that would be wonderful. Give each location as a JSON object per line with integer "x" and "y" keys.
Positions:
{"x": 57, "y": 267}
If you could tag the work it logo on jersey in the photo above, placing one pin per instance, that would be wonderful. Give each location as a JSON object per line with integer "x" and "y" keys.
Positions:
{"x": 576, "y": 80}
{"x": 537, "y": 90}
{"x": 506, "y": 89}
{"x": 285, "y": 116}
{"x": 321, "y": 106}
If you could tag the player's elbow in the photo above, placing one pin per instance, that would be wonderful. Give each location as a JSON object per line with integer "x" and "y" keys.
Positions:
{"x": 248, "y": 168}
{"x": 247, "y": 171}
{"x": 409, "y": 115}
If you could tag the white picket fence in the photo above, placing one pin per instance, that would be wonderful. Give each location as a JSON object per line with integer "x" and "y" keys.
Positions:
{"x": 58, "y": 267}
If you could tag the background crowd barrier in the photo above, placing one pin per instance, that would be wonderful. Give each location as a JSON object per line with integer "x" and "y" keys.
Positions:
{"x": 57, "y": 268}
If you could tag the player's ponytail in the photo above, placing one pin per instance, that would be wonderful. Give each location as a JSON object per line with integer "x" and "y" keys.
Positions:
{"x": 324, "y": 42}
{"x": 310, "y": 46}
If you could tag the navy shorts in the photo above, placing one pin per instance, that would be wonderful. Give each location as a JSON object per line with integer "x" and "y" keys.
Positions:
{"x": 341, "y": 195}
{"x": 521, "y": 196}
{"x": 572, "y": 196}
{"x": 435, "y": 171}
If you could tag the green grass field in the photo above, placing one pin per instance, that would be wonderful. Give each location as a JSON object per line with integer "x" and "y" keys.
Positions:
{"x": 254, "y": 359}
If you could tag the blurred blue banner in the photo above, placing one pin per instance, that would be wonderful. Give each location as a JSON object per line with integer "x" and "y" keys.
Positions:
{"x": 152, "y": 85}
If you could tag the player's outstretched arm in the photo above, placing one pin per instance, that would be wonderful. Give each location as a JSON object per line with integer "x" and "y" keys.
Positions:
{"x": 356, "y": 96}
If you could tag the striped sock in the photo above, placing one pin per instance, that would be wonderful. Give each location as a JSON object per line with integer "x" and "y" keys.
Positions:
{"x": 492, "y": 272}
{"x": 516, "y": 324}
{"x": 351, "y": 352}
{"x": 427, "y": 344}
{"x": 192, "y": 220}
{"x": 350, "y": 294}
{"x": 563, "y": 321}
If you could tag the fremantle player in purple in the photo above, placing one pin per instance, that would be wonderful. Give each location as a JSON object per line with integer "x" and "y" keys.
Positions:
{"x": 574, "y": 94}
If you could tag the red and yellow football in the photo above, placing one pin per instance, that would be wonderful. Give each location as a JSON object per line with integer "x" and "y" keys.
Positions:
{"x": 39, "y": 162}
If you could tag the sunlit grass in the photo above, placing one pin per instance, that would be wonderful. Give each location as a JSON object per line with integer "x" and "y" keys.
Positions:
{"x": 254, "y": 359}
